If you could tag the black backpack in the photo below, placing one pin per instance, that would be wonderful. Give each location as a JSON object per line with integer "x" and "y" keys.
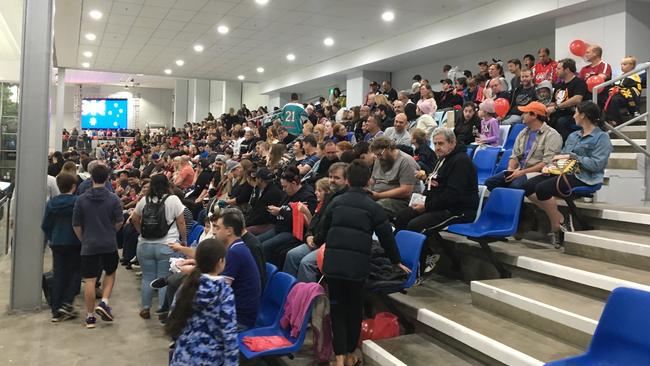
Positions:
{"x": 154, "y": 221}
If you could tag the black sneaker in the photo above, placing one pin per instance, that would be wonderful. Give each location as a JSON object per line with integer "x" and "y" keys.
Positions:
{"x": 567, "y": 225}
{"x": 162, "y": 311}
{"x": 91, "y": 321}
{"x": 159, "y": 282}
{"x": 104, "y": 311}
{"x": 58, "y": 317}
{"x": 556, "y": 238}
{"x": 69, "y": 311}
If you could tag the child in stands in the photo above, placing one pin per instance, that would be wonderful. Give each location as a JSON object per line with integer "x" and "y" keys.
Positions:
{"x": 203, "y": 319}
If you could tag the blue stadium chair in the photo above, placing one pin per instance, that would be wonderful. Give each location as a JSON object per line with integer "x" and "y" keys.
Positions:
{"x": 577, "y": 192}
{"x": 485, "y": 160}
{"x": 503, "y": 134}
{"x": 271, "y": 269}
{"x": 195, "y": 233}
{"x": 410, "y": 245}
{"x": 481, "y": 197}
{"x": 470, "y": 150}
{"x": 503, "y": 162}
{"x": 272, "y": 303}
{"x": 623, "y": 333}
{"x": 276, "y": 330}
{"x": 512, "y": 135}
{"x": 498, "y": 220}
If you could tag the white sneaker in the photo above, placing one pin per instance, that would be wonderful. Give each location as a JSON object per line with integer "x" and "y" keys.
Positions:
{"x": 431, "y": 261}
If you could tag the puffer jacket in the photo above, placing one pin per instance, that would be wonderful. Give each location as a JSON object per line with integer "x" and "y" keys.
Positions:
{"x": 347, "y": 227}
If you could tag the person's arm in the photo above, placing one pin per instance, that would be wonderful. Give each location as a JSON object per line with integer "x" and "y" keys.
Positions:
{"x": 304, "y": 168}
{"x": 571, "y": 102}
{"x": 188, "y": 252}
{"x": 517, "y": 151}
{"x": 78, "y": 231}
{"x": 118, "y": 215}
{"x": 46, "y": 224}
{"x": 403, "y": 191}
{"x": 552, "y": 147}
{"x": 180, "y": 223}
{"x": 597, "y": 159}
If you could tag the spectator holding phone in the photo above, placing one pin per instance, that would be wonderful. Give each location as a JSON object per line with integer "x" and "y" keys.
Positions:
{"x": 534, "y": 148}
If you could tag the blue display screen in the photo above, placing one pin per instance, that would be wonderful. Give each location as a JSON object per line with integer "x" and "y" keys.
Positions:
{"x": 104, "y": 113}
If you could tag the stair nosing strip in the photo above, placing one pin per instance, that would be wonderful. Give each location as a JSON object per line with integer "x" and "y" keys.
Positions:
{"x": 585, "y": 277}
{"x": 620, "y": 245}
{"x": 568, "y": 318}
{"x": 616, "y": 215}
{"x": 476, "y": 340}
{"x": 380, "y": 355}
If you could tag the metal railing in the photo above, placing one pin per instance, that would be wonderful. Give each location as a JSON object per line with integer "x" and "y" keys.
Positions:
{"x": 265, "y": 117}
{"x": 644, "y": 67}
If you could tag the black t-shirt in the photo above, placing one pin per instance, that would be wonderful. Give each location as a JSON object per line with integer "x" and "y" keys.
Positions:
{"x": 564, "y": 91}
{"x": 522, "y": 97}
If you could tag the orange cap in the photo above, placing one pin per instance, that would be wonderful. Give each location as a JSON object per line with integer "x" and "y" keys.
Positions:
{"x": 534, "y": 107}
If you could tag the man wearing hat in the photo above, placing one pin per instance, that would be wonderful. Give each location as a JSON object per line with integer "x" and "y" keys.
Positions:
{"x": 374, "y": 89}
{"x": 447, "y": 98}
{"x": 266, "y": 193}
{"x": 534, "y": 148}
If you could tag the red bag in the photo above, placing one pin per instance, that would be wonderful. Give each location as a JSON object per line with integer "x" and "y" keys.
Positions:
{"x": 384, "y": 325}
{"x": 298, "y": 221}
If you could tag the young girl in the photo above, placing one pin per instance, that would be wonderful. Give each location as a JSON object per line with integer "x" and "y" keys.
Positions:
{"x": 489, "y": 134}
{"x": 203, "y": 320}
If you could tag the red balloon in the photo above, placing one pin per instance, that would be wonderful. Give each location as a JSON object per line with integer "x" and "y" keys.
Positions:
{"x": 594, "y": 80}
{"x": 578, "y": 47}
{"x": 320, "y": 257}
{"x": 501, "y": 107}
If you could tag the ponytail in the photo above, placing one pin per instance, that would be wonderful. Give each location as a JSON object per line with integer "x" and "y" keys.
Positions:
{"x": 183, "y": 308}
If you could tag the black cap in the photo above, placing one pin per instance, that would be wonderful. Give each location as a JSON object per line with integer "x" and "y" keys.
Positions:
{"x": 417, "y": 77}
{"x": 263, "y": 174}
{"x": 482, "y": 63}
{"x": 448, "y": 81}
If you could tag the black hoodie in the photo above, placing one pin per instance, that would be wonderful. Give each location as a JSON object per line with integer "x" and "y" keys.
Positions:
{"x": 97, "y": 211}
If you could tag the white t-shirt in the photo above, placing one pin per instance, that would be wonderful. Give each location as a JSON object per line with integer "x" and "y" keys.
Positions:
{"x": 173, "y": 208}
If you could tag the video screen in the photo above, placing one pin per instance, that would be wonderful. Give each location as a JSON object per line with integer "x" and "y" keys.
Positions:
{"x": 104, "y": 113}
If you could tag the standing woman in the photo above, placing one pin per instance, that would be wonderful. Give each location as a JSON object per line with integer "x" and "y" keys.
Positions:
{"x": 590, "y": 147}
{"x": 153, "y": 250}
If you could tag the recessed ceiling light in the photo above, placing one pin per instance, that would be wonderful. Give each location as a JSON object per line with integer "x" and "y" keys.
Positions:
{"x": 85, "y": 64}
{"x": 88, "y": 54}
{"x": 139, "y": 74}
{"x": 90, "y": 36}
{"x": 198, "y": 48}
{"x": 328, "y": 41}
{"x": 262, "y": 2}
{"x": 388, "y": 16}
{"x": 291, "y": 57}
{"x": 223, "y": 29}
{"x": 180, "y": 62}
{"x": 241, "y": 77}
{"x": 168, "y": 71}
{"x": 96, "y": 14}
{"x": 260, "y": 69}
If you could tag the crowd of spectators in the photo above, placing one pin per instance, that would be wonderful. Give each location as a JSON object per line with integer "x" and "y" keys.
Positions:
{"x": 274, "y": 187}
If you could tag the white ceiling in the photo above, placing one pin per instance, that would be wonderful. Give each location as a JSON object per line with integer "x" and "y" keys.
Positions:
{"x": 147, "y": 36}
{"x": 113, "y": 78}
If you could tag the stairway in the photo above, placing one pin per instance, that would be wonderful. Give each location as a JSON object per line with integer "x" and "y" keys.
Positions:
{"x": 548, "y": 310}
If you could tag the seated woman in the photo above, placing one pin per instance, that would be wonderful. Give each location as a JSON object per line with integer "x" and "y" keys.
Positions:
{"x": 341, "y": 134}
{"x": 241, "y": 190}
{"x": 591, "y": 148}
{"x": 467, "y": 124}
{"x": 423, "y": 154}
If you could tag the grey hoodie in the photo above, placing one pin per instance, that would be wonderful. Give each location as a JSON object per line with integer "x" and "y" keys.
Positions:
{"x": 97, "y": 211}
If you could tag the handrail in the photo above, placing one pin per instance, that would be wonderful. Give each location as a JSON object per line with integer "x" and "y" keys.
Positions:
{"x": 644, "y": 67}
{"x": 264, "y": 116}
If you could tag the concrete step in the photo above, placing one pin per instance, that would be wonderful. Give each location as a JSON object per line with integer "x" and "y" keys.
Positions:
{"x": 412, "y": 350}
{"x": 623, "y": 146}
{"x": 624, "y": 160}
{"x": 622, "y": 248}
{"x": 589, "y": 276}
{"x": 615, "y": 217}
{"x": 565, "y": 314}
{"x": 633, "y": 132}
{"x": 446, "y": 310}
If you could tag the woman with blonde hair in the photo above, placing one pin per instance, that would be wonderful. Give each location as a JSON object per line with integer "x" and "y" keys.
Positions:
{"x": 307, "y": 128}
{"x": 319, "y": 133}
{"x": 276, "y": 161}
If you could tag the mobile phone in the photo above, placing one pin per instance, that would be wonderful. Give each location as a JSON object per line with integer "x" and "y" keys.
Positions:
{"x": 507, "y": 173}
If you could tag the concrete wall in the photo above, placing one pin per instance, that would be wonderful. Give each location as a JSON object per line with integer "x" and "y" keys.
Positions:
{"x": 252, "y": 97}
{"x": 155, "y": 104}
{"x": 216, "y": 97}
{"x": 637, "y": 33}
{"x": 401, "y": 79}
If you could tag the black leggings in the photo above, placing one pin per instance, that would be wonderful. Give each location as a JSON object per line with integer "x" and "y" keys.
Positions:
{"x": 545, "y": 186}
{"x": 346, "y": 303}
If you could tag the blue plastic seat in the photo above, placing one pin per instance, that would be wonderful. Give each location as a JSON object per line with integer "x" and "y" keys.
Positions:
{"x": 410, "y": 245}
{"x": 503, "y": 162}
{"x": 485, "y": 160}
{"x": 470, "y": 150}
{"x": 276, "y": 330}
{"x": 272, "y": 303}
{"x": 195, "y": 233}
{"x": 498, "y": 220}
{"x": 623, "y": 333}
{"x": 512, "y": 135}
{"x": 271, "y": 269}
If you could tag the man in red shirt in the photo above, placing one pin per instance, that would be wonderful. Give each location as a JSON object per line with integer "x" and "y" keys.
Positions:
{"x": 545, "y": 68}
{"x": 596, "y": 66}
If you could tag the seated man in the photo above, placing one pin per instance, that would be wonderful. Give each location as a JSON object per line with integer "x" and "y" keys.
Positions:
{"x": 398, "y": 132}
{"x": 311, "y": 149}
{"x": 319, "y": 170}
{"x": 281, "y": 236}
{"x": 393, "y": 176}
{"x": 372, "y": 129}
{"x": 568, "y": 93}
{"x": 522, "y": 95}
{"x": 534, "y": 148}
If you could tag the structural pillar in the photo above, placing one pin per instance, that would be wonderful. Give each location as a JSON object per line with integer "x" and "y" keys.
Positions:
{"x": 60, "y": 105}
{"x": 279, "y": 100}
{"x": 30, "y": 191}
{"x": 180, "y": 102}
{"x": 232, "y": 95}
{"x": 198, "y": 99}
{"x": 358, "y": 85}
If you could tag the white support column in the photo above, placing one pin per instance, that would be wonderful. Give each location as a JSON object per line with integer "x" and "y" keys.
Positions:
{"x": 191, "y": 90}
{"x": 232, "y": 95}
{"x": 60, "y": 105}
{"x": 201, "y": 102}
{"x": 358, "y": 85}
{"x": 31, "y": 167}
{"x": 180, "y": 102}
{"x": 216, "y": 97}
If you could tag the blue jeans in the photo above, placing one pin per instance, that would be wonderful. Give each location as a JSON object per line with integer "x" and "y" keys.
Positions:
{"x": 154, "y": 263}
{"x": 308, "y": 270}
{"x": 271, "y": 240}
{"x": 294, "y": 257}
{"x": 499, "y": 180}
